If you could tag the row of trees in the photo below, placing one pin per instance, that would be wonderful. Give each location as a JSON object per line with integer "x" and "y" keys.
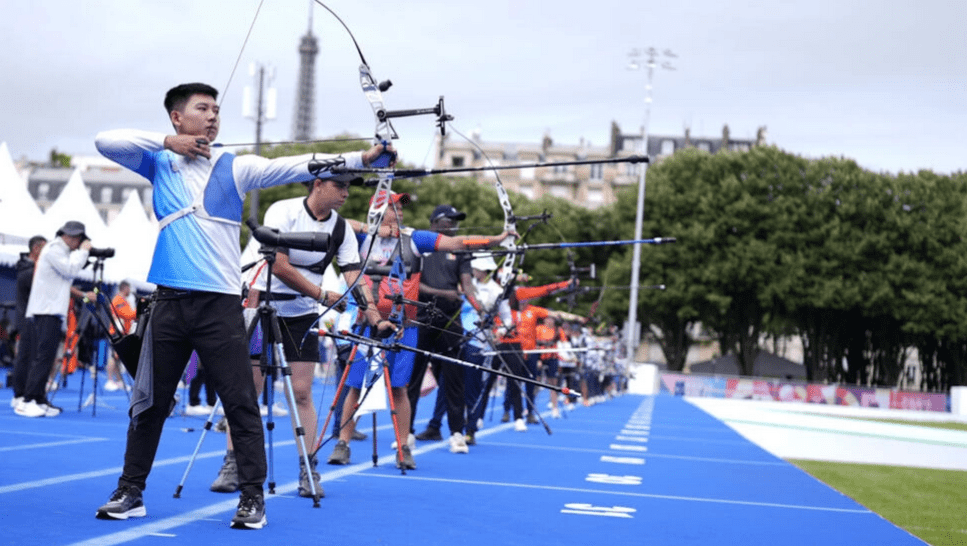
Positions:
{"x": 864, "y": 267}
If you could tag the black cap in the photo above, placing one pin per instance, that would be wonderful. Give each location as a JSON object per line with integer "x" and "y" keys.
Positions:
{"x": 344, "y": 178}
{"x": 72, "y": 228}
{"x": 446, "y": 211}
{"x": 352, "y": 179}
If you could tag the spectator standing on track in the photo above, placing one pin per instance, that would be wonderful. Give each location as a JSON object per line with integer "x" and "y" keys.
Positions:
{"x": 58, "y": 264}
{"x": 25, "y": 278}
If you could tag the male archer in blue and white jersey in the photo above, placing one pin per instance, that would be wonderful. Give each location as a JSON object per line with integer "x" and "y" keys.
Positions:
{"x": 198, "y": 196}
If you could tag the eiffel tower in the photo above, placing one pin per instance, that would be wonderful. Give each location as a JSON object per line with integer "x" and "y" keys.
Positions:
{"x": 303, "y": 125}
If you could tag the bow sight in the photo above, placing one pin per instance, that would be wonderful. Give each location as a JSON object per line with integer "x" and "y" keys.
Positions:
{"x": 439, "y": 111}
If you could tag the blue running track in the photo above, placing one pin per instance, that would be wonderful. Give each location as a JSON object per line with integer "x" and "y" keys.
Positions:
{"x": 628, "y": 471}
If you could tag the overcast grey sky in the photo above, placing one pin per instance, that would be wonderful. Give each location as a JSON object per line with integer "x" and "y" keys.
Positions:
{"x": 883, "y": 82}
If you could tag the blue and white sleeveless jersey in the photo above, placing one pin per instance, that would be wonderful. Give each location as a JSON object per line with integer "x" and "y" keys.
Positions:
{"x": 199, "y": 250}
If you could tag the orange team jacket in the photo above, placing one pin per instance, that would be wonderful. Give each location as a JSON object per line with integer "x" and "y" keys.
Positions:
{"x": 124, "y": 311}
{"x": 547, "y": 335}
{"x": 526, "y": 321}
{"x": 526, "y": 327}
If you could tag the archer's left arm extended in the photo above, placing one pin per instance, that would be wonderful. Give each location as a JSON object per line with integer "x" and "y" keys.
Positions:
{"x": 472, "y": 242}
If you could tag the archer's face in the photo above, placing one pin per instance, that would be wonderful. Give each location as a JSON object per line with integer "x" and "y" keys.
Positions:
{"x": 332, "y": 194}
{"x": 199, "y": 117}
{"x": 393, "y": 215}
{"x": 446, "y": 226}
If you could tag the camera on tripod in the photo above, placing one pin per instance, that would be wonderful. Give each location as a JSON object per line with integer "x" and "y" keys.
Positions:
{"x": 101, "y": 253}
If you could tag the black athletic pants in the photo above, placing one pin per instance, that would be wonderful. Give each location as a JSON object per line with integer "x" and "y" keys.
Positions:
{"x": 211, "y": 324}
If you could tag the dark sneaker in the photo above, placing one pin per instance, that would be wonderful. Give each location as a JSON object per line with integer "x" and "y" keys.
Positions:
{"x": 305, "y": 488}
{"x": 221, "y": 425}
{"x": 430, "y": 434}
{"x": 227, "y": 480}
{"x": 408, "y": 463}
{"x": 531, "y": 420}
{"x": 125, "y": 503}
{"x": 359, "y": 436}
{"x": 340, "y": 453}
{"x": 250, "y": 513}
{"x": 506, "y": 417}
{"x": 471, "y": 439}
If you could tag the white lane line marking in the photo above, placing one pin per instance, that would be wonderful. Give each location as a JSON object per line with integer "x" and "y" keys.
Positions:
{"x": 621, "y": 447}
{"x": 52, "y": 444}
{"x": 631, "y": 438}
{"x": 848, "y": 433}
{"x": 154, "y": 528}
{"x": 650, "y": 454}
{"x": 628, "y": 494}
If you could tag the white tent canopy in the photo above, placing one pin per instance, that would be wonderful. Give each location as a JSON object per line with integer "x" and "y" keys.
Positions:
{"x": 133, "y": 237}
{"x": 20, "y": 217}
{"x": 74, "y": 203}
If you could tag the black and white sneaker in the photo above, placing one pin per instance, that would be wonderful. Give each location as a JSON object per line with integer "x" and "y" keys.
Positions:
{"x": 340, "y": 453}
{"x": 125, "y": 503}
{"x": 250, "y": 513}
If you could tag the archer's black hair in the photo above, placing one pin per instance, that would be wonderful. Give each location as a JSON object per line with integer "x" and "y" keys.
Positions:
{"x": 36, "y": 240}
{"x": 177, "y": 97}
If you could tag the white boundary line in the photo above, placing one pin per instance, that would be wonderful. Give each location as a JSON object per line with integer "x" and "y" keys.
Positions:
{"x": 637, "y": 495}
{"x": 159, "y": 527}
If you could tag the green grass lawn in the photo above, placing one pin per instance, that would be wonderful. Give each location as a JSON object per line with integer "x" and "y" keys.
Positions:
{"x": 931, "y": 504}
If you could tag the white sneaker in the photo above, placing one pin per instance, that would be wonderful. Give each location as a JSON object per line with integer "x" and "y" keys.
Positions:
{"x": 277, "y": 410}
{"x": 555, "y": 413}
{"x": 16, "y": 401}
{"x": 31, "y": 409}
{"x": 201, "y": 410}
{"x": 520, "y": 426}
{"x": 112, "y": 386}
{"x": 458, "y": 444}
{"x": 52, "y": 385}
{"x": 410, "y": 441}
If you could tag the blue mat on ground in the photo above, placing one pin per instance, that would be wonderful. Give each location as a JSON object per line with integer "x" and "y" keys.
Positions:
{"x": 630, "y": 470}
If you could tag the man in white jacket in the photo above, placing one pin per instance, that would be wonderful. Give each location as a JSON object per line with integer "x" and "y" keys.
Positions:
{"x": 57, "y": 266}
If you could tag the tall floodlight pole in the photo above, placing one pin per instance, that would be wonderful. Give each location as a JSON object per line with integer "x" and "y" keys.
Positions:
{"x": 634, "y": 64}
{"x": 261, "y": 111}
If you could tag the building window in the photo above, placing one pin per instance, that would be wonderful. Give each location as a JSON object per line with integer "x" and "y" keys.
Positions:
{"x": 595, "y": 196}
{"x": 490, "y": 173}
{"x": 456, "y": 161}
{"x": 43, "y": 191}
{"x": 563, "y": 192}
{"x": 527, "y": 173}
{"x": 597, "y": 171}
{"x": 106, "y": 193}
{"x": 704, "y": 146}
{"x": 631, "y": 169}
{"x": 667, "y": 147}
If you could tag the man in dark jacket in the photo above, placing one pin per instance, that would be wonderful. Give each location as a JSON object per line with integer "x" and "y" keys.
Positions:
{"x": 25, "y": 278}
